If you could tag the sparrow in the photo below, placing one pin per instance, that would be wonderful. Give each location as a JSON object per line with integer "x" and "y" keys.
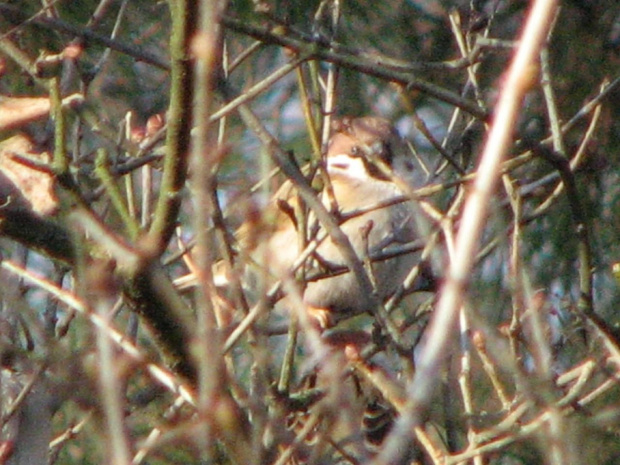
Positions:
{"x": 369, "y": 172}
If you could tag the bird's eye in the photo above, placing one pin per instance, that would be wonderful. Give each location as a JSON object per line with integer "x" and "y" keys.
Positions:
{"x": 356, "y": 151}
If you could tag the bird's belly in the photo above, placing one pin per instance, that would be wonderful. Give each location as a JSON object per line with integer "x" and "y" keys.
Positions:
{"x": 370, "y": 234}
{"x": 342, "y": 292}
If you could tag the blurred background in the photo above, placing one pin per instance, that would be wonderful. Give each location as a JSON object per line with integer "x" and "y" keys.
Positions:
{"x": 103, "y": 361}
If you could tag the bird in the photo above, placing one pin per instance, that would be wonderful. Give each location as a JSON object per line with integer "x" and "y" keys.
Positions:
{"x": 370, "y": 174}
{"x": 370, "y": 171}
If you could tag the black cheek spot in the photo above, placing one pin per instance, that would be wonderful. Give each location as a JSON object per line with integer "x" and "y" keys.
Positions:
{"x": 387, "y": 153}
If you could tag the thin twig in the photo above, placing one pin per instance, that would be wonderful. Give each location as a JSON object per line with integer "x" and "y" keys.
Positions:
{"x": 354, "y": 62}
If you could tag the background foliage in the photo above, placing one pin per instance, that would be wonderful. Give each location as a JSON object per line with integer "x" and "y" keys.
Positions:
{"x": 105, "y": 362}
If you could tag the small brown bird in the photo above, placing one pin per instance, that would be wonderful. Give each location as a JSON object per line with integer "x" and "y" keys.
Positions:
{"x": 368, "y": 165}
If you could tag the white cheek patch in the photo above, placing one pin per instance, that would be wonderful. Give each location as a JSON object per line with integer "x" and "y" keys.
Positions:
{"x": 345, "y": 165}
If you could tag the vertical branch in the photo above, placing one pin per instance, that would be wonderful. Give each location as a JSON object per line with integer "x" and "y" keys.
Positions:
{"x": 332, "y": 80}
{"x": 329, "y": 106}
{"x": 309, "y": 114}
{"x": 516, "y": 275}
{"x": 223, "y": 417}
{"x": 184, "y": 14}
{"x": 61, "y": 162}
{"x": 110, "y": 384}
{"x": 205, "y": 46}
{"x": 465, "y": 380}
